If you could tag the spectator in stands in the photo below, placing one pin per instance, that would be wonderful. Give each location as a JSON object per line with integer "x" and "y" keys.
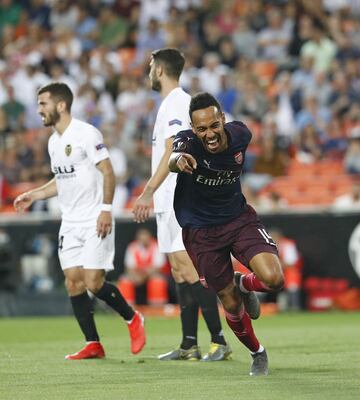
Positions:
{"x": 227, "y": 52}
{"x": 227, "y": 94}
{"x": 212, "y": 71}
{"x": 12, "y": 113}
{"x": 9, "y": 164}
{"x": 151, "y": 38}
{"x": 301, "y": 34}
{"x": 85, "y": 28}
{"x": 352, "y": 155}
{"x": 39, "y": 13}
{"x": 63, "y": 15}
{"x": 274, "y": 39}
{"x": 342, "y": 95}
{"x": 157, "y": 9}
{"x": 226, "y": 18}
{"x": 335, "y": 144}
{"x": 303, "y": 78}
{"x": 211, "y": 36}
{"x": 251, "y": 102}
{"x": 67, "y": 45}
{"x": 59, "y": 73}
{"x": 124, "y": 128}
{"x": 245, "y": 39}
{"x": 349, "y": 201}
{"x": 285, "y": 107}
{"x": 320, "y": 47}
{"x": 308, "y": 148}
{"x": 255, "y": 15}
{"x": 131, "y": 96}
{"x": 271, "y": 160}
{"x": 143, "y": 271}
{"x": 37, "y": 170}
{"x": 25, "y": 82}
{"x": 10, "y": 12}
{"x": 112, "y": 29}
{"x": 313, "y": 114}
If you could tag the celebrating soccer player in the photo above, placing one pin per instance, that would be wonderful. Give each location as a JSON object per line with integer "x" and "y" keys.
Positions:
{"x": 217, "y": 222}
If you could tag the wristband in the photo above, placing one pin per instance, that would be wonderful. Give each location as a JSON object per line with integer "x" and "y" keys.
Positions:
{"x": 106, "y": 207}
{"x": 177, "y": 158}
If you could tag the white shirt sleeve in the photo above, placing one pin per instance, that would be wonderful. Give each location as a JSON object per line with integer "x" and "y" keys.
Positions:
{"x": 94, "y": 146}
{"x": 177, "y": 117}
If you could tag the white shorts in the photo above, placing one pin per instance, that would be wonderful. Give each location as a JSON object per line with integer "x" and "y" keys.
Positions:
{"x": 81, "y": 247}
{"x": 169, "y": 232}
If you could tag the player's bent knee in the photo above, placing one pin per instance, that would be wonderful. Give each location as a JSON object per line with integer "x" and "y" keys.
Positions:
{"x": 184, "y": 272}
{"x": 274, "y": 280}
{"x": 74, "y": 287}
{"x": 94, "y": 284}
{"x": 94, "y": 287}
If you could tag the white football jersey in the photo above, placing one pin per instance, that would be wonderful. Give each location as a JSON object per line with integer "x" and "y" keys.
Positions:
{"x": 74, "y": 156}
{"x": 172, "y": 117}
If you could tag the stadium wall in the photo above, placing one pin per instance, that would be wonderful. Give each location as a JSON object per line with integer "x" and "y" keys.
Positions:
{"x": 322, "y": 239}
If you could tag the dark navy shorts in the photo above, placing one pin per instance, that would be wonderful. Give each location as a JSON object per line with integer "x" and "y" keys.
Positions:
{"x": 210, "y": 248}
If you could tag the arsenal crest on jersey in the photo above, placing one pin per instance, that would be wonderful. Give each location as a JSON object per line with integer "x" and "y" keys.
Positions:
{"x": 68, "y": 149}
{"x": 238, "y": 157}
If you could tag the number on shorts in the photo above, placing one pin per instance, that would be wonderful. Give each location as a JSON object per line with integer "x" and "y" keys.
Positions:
{"x": 267, "y": 237}
{"x": 61, "y": 240}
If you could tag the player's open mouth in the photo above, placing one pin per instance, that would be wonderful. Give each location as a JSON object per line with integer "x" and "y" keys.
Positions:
{"x": 212, "y": 144}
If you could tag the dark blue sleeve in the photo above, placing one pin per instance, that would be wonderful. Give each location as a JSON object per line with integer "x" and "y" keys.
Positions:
{"x": 183, "y": 142}
{"x": 241, "y": 133}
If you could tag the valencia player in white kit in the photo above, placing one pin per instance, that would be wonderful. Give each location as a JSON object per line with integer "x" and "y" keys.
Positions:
{"x": 173, "y": 116}
{"x": 84, "y": 183}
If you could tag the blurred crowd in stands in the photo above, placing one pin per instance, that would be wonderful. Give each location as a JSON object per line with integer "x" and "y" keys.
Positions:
{"x": 289, "y": 69}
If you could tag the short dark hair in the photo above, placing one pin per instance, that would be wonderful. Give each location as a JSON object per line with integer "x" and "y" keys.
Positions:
{"x": 172, "y": 60}
{"x": 60, "y": 92}
{"x": 202, "y": 100}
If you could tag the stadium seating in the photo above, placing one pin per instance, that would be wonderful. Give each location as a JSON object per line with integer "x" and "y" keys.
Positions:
{"x": 316, "y": 184}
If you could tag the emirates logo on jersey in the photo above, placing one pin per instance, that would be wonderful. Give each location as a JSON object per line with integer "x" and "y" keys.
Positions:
{"x": 68, "y": 149}
{"x": 238, "y": 157}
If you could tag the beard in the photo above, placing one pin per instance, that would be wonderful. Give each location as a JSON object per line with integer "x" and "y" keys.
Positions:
{"x": 51, "y": 119}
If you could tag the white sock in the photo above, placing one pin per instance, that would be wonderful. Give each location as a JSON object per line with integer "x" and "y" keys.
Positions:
{"x": 132, "y": 319}
{"x": 242, "y": 288}
{"x": 260, "y": 350}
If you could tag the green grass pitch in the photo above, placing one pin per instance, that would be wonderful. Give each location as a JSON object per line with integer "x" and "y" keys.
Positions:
{"x": 312, "y": 356}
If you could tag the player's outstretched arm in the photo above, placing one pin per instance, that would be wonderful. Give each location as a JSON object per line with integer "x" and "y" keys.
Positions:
{"x": 182, "y": 162}
{"x": 24, "y": 200}
{"x": 142, "y": 204}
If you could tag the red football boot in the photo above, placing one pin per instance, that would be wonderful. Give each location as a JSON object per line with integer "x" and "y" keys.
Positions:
{"x": 137, "y": 333}
{"x": 91, "y": 350}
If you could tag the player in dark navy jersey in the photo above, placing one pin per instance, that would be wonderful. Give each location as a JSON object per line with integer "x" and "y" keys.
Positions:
{"x": 217, "y": 175}
{"x": 217, "y": 222}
